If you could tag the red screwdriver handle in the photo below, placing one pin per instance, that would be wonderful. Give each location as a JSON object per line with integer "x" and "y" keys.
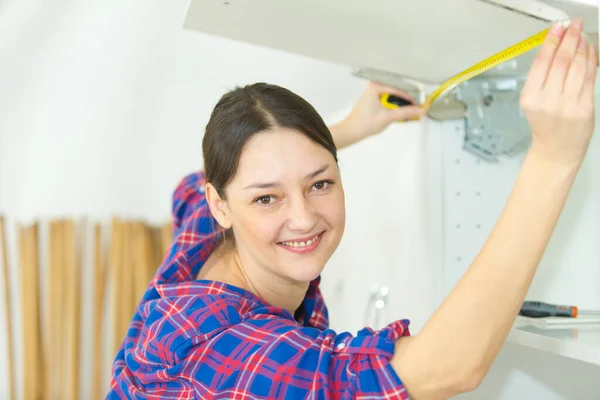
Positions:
{"x": 538, "y": 309}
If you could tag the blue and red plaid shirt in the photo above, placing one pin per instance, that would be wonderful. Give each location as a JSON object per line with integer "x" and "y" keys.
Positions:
{"x": 200, "y": 339}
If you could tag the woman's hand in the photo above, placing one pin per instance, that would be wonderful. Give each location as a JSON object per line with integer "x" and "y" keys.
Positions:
{"x": 558, "y": 97}
{"x": 369, "y": 116}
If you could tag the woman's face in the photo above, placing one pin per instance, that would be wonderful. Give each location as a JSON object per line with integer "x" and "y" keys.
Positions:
{"x": 286, "y": 205}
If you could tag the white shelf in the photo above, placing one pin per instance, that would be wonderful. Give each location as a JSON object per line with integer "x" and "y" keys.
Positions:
{"x": 577, "y": 341}
{"x": 366, "y": 33}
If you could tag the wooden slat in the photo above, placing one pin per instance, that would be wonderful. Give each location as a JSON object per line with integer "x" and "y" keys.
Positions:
{"x": 58, "y": 292}
{"x": 115, "y": 277}
{"x": 28, "y": 390}
{"x": 60, "y": 331}
{"x": 150, "y": 264}
{"x": 127, "y": 282}
{"x": 73, "y": 314}
{"x": 98, "y": 330}
{"x": 39, "y": 361}
{"x": 142, "y": 260}
{"x": 28, "y": 381}
{"x": 53, "y": 331}
{"x": 39, "y": 355}
{"x": 33, "y": 377}
{"x": 8, "y": 312}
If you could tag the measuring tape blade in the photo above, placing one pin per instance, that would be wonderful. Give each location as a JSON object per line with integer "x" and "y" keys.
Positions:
{"x": 507, "y": 54}
{"x": 487, "y": 64}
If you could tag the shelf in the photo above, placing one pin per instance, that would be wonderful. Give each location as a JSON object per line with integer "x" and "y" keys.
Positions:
{"x": 445, "y": 37}
{"x": 573, "y": 340}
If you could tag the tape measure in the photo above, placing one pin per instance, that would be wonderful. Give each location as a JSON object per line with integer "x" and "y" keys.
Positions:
{"x": 391, "y": 101}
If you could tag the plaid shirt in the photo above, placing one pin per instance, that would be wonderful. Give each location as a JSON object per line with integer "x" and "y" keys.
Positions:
{"x": 199, "y": 339}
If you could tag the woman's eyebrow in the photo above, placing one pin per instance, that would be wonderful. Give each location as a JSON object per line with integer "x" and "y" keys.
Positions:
{"x": 318, "y": 172}
{"x": 268, "y": 185}
{"x": 262, "y": 185}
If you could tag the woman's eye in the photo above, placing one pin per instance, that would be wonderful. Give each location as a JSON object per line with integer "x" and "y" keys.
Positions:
{"x": 321, "y": 185}
{"x": 264, "y": 200}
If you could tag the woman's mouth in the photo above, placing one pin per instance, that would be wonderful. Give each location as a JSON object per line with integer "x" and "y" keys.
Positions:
{"x": 301, "y": 246}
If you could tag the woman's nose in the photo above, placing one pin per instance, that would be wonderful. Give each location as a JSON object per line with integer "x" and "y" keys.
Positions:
{"x": 302, "y": 217}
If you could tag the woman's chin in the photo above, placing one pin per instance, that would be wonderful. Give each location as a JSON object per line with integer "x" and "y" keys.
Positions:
{"x": 306, "y": 273}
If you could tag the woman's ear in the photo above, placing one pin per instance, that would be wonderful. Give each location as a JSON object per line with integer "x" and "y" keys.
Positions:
{"x": 218, "y": 206}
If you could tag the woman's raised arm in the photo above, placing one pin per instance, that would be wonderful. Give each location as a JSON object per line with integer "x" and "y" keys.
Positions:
{"x": 457, "y": 346}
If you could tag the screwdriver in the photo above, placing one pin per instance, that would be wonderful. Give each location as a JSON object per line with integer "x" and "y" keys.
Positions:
{"x": 392, "y": 102}
{"x": 538, "y": 309}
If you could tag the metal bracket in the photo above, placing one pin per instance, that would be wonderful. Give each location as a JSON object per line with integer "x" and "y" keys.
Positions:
{"x": 494, "y": 123}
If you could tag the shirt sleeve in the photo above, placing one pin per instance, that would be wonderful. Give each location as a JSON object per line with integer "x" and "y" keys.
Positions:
{"x": 189, "y": 196}
{"x": 263, "y": 359}
{"x": 195, "y": 232}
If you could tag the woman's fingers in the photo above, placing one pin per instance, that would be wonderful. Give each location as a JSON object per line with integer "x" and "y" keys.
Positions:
{"x": 381, "y": 89}
{"x": 587, "y": 93}
{"x": 405, "y": 113}
{"x": 541, "y": 64}
{"x": 577, "y": 72}
{"x": 563, "y": 58}
{"x": 561, "y": 112}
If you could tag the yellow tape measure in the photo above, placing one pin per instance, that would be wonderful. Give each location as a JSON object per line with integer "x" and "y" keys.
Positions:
{"x": 522, "y": 47}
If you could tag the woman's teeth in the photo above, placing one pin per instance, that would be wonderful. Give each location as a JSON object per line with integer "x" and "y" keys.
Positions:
{"x": 301, "y": 244}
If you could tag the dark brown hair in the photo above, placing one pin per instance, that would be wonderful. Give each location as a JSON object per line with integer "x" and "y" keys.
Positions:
{"x": 246, "y": 111}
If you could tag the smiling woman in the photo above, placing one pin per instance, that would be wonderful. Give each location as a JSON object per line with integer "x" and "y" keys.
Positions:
{"x": 235, "y": 310}
{"x": 274, "y": 186}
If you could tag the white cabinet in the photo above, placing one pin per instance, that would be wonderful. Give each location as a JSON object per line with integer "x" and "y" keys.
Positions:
{"x": 425, "y": 40}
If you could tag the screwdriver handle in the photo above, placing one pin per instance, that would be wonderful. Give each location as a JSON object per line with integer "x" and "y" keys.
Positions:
{"x": 391, "y": 101}
{"x": 538, "y": 309}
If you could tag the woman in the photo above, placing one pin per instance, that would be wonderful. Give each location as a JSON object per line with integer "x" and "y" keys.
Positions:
{"x": 235, "y": 309}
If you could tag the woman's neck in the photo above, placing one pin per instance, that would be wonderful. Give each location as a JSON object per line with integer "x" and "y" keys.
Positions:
{"x": 229, "y": 267}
